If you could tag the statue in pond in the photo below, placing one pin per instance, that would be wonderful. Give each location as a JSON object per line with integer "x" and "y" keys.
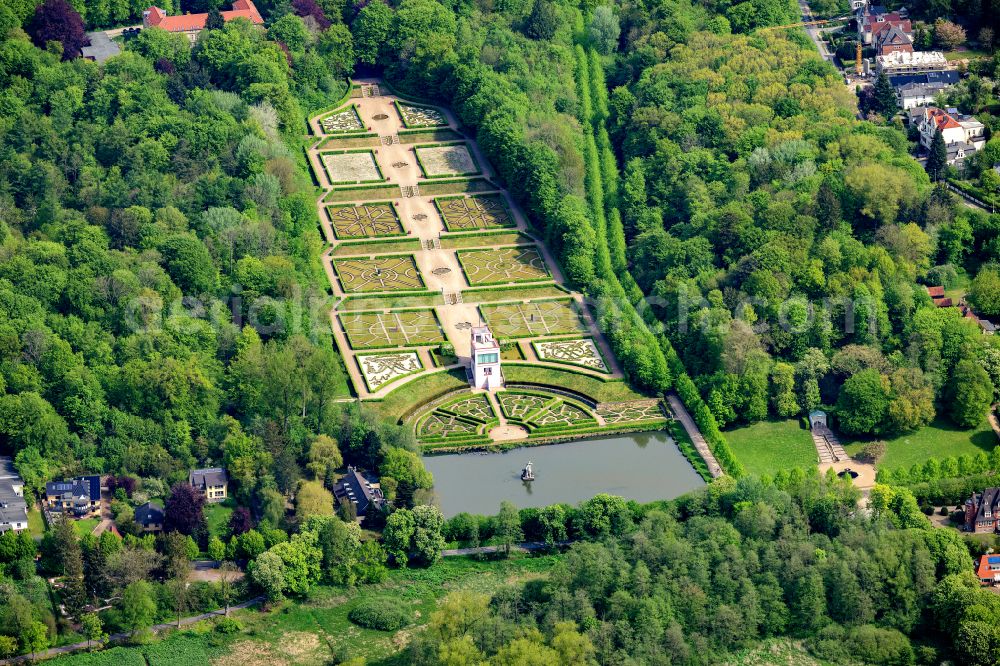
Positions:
{"x": 528, "y": 474}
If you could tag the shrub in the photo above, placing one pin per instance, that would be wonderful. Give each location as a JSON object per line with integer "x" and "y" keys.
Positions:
{"x": 944, "y": 511}
{"x": 228, "y": 625}
{"x": 380, "y": 613}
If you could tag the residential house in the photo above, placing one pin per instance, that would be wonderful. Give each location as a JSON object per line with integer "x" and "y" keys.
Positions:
{"x": 937, "y": 295}
{"x": 875, "y": 21}
{"x": 982, "y": 511}
{"x": 988, "y": 569}
{"x": 963, "y": 135}
{"x": 212, "y": 482}
{"x": 893, "y": 39}
{"x": 911, "y": 62}
{"x": 355, "y": 488}
{"x": 77, "y": 498}
{"x": 192, "y": 24}
{"x": 13, "y": 508}
{"x": 149, "y": 517}
{"x": 914, "y": 90}
{"x": 985, "y": 325}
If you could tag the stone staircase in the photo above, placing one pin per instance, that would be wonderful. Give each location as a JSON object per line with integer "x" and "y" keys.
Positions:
{"x": 371, "y": 91}
{"x": 407, "y": 191}
{"x": 453, "y": 298}
{"x": 390, "y": 139}
{"x": 828, "y": 447}
{"x": 432, "y": 244}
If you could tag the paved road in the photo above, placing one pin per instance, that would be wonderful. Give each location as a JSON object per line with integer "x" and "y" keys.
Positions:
{"x": 115, "y": 638}
{"x": 815, "y": 32}
{"x": 681, "y": 412}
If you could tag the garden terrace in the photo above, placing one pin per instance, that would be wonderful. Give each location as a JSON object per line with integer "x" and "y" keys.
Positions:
{"x": 403, "y": 328}
{"x": 445, "y": 160}
{"x": 475, "y": 212}
{"x": 536, "y": 318}
{"x": 366, "y": 221}
{"x": 391, "y": 273}
{"x": 503, "y": 265}
{"x": 352, "y": 167}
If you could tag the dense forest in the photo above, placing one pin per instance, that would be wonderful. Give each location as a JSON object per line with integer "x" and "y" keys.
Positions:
{"x": 744, "y": 238}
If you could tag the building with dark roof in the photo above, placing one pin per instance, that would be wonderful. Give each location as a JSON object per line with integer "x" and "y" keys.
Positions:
{"x": 149, "y": 517}
{"x": 100, "y": 48}
{"x": 982, "y": 511}
{"x": 77, "y": 498}
{"x": 13, "y": 508}
{"x": 355, "y": 488}
{"x": 212, "y": 482}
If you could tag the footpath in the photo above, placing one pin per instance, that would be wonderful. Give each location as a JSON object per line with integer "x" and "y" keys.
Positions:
{"x": 117, "y": 638}
{"x": 691, "y": 428}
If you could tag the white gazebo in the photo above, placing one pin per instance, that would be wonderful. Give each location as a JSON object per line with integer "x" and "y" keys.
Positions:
{"x": 817, "y": 419}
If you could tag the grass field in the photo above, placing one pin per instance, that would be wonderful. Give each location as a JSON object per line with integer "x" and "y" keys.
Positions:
{"x": 938, "y": 440}
{"x": 420, "y": 390}
{"x": 86, "y": 525}
{"x": 217, "y": 516}
{"x": 596, "y": 389}
{"x": 459, "y": 241}
{"x": 768, "y": 446}
{"x": 36, "y": 524}
{"x": 312, "y": 631}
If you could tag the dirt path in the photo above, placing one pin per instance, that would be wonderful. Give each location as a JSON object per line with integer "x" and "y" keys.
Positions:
{"x": 691, "y": 428}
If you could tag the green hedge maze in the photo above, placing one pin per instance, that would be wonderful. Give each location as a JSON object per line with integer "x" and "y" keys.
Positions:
{"x": 398, "y": 273}
{"x": 367, "y": 221}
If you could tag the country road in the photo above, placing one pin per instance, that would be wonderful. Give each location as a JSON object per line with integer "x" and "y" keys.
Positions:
{"x": 114, "y": 638}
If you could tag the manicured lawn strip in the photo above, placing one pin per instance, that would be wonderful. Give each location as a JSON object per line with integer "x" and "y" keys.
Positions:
{"x": 456, "y": 186}
{"x": 86, "y": 525}
{"x": 388, "y": 301}
{"x": 466, "y": 239}
{"x": 366, "y": 140}
{"x": 417, "y": 135}
{"x": 36, "y": 524}
{"x": 277, "y": 636}
{"x": 361, "y": 193}
{"x": 686, "y": 446}
{"x": 217, "y": 516}
{"x": 421, "y": 390}
{"x": 514, "y": 293}
{"x": 599, "y": 389}
{"x": 938, "y": 440}
{"x": 768, "y": 446}
{"x": 368, "y": 248}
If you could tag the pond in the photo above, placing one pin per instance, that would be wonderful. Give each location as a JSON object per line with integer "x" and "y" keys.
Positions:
{"x": 641, "y": 466}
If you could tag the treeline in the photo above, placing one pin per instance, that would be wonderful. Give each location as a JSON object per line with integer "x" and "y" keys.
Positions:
{"x": 694, "y": 580}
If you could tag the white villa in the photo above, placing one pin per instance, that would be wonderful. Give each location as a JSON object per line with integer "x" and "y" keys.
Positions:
{"x": 486, "y": 372}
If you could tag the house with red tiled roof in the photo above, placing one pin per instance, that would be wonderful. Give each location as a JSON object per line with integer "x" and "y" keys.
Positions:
{"x": 875, "y": 20}
{"x": 963, "y": 135}
{"x": 893, "y": 38}
{"x": 988, "y": 569}
{"x": 192, "y": 24}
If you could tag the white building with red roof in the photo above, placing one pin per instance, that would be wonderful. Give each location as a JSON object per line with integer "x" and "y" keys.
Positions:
{"x": 192, "y": 24}
{"x": 962, "y": 134}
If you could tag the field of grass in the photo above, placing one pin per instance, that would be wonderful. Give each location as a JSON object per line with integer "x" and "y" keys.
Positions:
{"x": 938, "y": 440}
{"x": 421, "y": 389}
{"x": 36, "y": 524}
{"x": 600, "y": 391}
{"x": 217, "y": 517}
{"x": 312, "y": 631}
{"x": 768, "y": 446}
{"x": 86, "y": 526}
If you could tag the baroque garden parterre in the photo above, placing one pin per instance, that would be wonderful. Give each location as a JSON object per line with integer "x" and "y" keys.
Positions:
{"x": 427, "y": 221}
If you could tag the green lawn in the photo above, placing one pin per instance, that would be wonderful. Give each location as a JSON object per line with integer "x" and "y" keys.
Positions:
{"x": 86, "y": 526}
{"x": 938, "y": 440}
{"x": 314, "y": 630}
{"x": 217, "y": 516}
{"x": 768, "y": 446}
{"x": 36, "y": 524}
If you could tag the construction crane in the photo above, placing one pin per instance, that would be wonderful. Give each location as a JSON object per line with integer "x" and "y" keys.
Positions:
{"x": 803, "y": 24}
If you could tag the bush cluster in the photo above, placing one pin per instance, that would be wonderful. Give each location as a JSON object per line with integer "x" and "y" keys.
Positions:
{"x": 381, "y": 613}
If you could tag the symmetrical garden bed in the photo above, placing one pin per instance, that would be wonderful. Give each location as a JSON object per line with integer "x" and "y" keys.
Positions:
{"x": 380, "y": 330}
{"x": 342, "y": 121}
{"x": 352, "y": 167}
{"x": 414, "y": 115}
{"x": 382, "y": 369}
{"x": 393, "y": 273}
{"x": 371, "y": 220}
{"x": 534, "y": 319}
{"x": 462, "y": 420}
{"x": 442, "y": 161}
{"x": 503, "y": 265}
{"x": 582, "y": 352}
{"x": 476, "y": 212}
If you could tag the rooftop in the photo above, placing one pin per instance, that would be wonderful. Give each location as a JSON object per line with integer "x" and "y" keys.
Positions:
{"x": 902, "y": 58}
{"x": 210, "y": 476}
{"x": 101, "y": 47}
{"x": 154, "y": 17}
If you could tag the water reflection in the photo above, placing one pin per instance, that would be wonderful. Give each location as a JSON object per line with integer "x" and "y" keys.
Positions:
{"x": 642, "y": 466}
